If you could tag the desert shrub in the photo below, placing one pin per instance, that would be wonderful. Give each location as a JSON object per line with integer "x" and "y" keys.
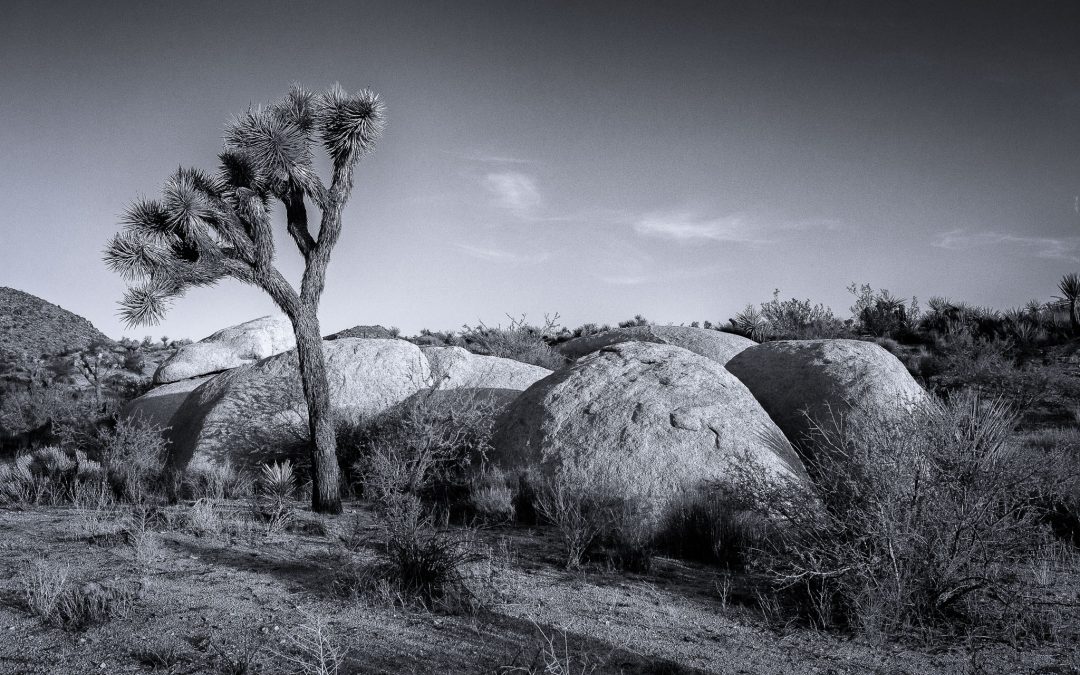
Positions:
{"x": 430, "y": 445}
{"x": 50, "y": 475}
{"x": 311, "y": 649}
{"x": 244, "y": 656}
{"x": 551, "y": 654}
{"x": 43, "y": 413}
{"x": 1056, "y": 453}
{"x": 916, "y": 527}
{"x": 491, "y": 497}
{"x": 597, "y": 522}
{"x": 134, "y": 361}
{"x": 215, "y": 481}
{"x": 712, "y": 523}
{"x": 638, "y": 320}
{"x": 17, "y": 485}
{"x": 585, "y": 330}
{"x": 791, "y": 319}
{"x": 1037, "y": 390}
{"x": 520, "y": 342}
{"x": 881, "y": 314}
{"x": 133, "y": 454}
{"x": 52, "y": 594}
{"x": 425, "y": 562}
{"x": 203, "y": 519}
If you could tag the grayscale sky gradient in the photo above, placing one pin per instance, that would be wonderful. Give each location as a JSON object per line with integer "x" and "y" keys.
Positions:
{"x": 598, "y": 160}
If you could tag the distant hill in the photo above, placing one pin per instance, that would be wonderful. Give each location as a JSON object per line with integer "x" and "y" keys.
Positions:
{"x": 31, "y": 327}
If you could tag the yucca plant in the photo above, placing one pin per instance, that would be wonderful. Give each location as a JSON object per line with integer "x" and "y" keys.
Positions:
{"x": 276, "y": 481}
{"x": 210, "y": 226}
{"x": 1070, "y": 292}
{"x": 751, "y": 323}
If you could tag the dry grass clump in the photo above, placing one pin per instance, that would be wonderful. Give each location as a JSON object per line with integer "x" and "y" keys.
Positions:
{"x": 51, "y": 593}
{"x": 163, "y": 655}
{"x": 203, "y": 519}
{"x": 915, "y": 528}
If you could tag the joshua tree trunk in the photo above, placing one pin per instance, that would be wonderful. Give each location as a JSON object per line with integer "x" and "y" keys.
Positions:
{"x": 325, "y": 474}
{"x": 1074, "y": 323}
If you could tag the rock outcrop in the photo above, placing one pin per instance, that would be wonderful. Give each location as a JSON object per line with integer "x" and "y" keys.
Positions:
{"x": 456, "y": 368}
{"x": 712, "y": 344}
{"x": 157, "y": 406}
{"x": 825, "y": 380}
{"x": 256, "y": 413}
{"x": 643, "y": 421}
{"x": 229, "y": 348}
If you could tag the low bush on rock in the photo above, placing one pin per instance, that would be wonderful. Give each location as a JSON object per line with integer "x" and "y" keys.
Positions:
{"x": 520, "y": 342}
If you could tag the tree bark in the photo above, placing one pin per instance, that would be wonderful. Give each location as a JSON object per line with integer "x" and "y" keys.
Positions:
{"x": 325, "y": 473}
{"x": 1074, "y": 324}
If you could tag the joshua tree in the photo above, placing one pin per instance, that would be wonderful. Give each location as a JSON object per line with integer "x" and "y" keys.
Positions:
{"x": 1070, "y": 292}
{"x": 207, "y": 227}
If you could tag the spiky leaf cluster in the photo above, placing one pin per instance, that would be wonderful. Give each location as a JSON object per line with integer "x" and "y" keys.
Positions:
{"x": 205, "y": 227}
{"x": 350, "y": 124}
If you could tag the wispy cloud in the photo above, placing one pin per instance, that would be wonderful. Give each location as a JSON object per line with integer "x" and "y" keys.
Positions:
{"x": 494, "y": 159}
{"x": 687, "y": 226}
{"x": 512, "y": 190}
{"x": 828, "y": 224}
{"x": 684, "y": 226}
{"x": 501, "y": 255}
{"x": 1058, "y": 248}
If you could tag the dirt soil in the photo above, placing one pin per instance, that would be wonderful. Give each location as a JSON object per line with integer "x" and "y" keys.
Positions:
{"x": 204, "y": 601}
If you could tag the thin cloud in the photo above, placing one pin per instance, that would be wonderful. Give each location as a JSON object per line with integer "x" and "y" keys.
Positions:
{"x": 623, "y": 280}
{"x": 686, "y": 227}
{"x": 513, "y": 191}
{"x": 828, "y": 224}
{"x": 1064, "y": 248}
{"x": 501, "y": 255}
{"x": 494, "y": 159}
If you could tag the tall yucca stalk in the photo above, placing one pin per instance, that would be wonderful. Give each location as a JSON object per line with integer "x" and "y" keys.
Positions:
{"x": 209, "y": 226}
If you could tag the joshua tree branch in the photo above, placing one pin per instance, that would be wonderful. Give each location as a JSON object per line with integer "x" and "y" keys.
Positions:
{"x": 296, "y": 214}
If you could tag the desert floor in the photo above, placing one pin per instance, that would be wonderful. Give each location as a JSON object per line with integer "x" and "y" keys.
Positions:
{"x": 205, "y": 604}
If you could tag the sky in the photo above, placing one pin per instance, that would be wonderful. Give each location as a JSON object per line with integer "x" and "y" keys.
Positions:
{"x": 595, "y": 160}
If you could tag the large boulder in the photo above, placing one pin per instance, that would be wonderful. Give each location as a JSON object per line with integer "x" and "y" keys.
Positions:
{"x": 256, "y": 413}
{"x": 157, "y": 406}
{"x": 456, "y": 368}
{"x": 712, "y": 344}
{"x": 827, "y": 381}
{"x": 229, "y": 348}
{"x": 644, "y": 421}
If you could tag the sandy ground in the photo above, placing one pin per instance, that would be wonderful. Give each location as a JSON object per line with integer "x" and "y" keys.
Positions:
{"x": 205, "y": 600}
